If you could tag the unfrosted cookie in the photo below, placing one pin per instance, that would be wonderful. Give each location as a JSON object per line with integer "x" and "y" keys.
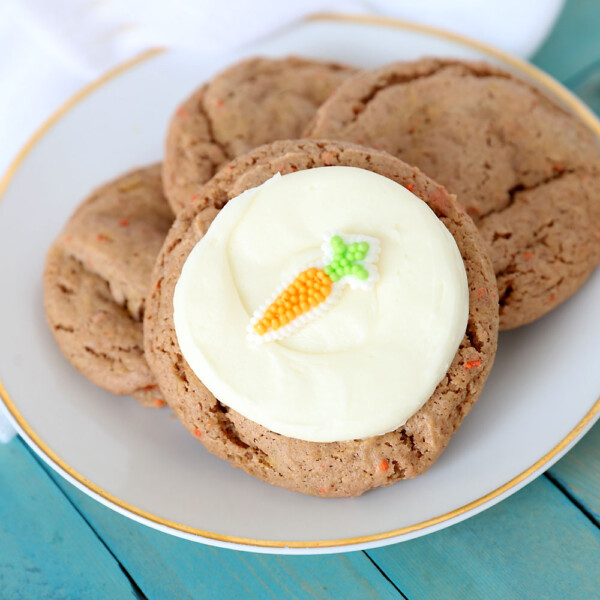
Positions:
{"x": 254, "y": 102}
{"x": 527, "y": 172}
{"x": 335, "y": 468}
{"x": 96, "y": 278}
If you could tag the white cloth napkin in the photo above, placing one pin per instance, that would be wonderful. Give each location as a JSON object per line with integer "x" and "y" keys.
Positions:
{"x": 50, "y": 49}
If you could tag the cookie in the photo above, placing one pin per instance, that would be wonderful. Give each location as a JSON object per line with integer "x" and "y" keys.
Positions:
{"x": 527, "y": 171}
{"x": 96, "y": 279}
{"x": 331, "y": 469}
{"x": 254, "y": 102}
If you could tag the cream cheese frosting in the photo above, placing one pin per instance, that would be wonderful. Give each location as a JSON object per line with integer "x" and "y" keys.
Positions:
{"x": 366, "y": 365}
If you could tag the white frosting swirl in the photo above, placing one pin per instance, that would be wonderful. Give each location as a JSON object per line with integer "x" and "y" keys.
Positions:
{"x": 364, "y": 367}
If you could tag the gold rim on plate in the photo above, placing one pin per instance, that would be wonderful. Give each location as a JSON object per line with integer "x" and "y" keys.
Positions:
{"x": 582, "y": 111}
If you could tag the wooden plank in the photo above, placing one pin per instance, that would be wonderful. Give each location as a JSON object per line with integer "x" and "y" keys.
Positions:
{"x": 536, "y": 544}
{"x": 578, "y": 472}
{"x": 46, "y": 549}
{"x": 574, "y": 42}
{"x": 167, "y": 567}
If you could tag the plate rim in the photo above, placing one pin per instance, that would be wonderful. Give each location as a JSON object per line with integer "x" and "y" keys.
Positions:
{"x": 241, "y": 543}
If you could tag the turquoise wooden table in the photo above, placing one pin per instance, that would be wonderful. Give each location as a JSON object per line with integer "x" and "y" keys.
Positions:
{"x": 543, "y": 542}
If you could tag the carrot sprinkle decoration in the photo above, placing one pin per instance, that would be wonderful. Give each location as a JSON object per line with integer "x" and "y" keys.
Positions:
{"x": 314, "y": 290}
{"x": 472, "y": 363}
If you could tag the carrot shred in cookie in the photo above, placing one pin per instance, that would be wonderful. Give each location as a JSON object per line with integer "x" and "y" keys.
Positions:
{"x": 123, "y": 222}
{"x": 383, "y": 466}
{"x": 472, "y": 364}
{"x": 197, "y": 432}
{"x": 159, "y": 402}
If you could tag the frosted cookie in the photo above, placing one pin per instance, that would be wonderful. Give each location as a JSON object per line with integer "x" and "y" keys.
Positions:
{"x": 251, "y": 103}
{"x": 362, "y": 394}
{"x": 96, "y": 278}
{"x": 527, "y": 171}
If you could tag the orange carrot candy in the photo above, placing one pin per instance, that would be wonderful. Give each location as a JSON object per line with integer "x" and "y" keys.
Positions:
{"x": 347, "y": 260}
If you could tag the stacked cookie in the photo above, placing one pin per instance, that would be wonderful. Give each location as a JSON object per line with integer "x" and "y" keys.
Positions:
{"x": 96, "y": 282}
{"x": 520, "y": 201}
{"x": 526, "y": 171}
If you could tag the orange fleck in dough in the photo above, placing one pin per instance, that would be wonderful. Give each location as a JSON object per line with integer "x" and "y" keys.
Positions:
{"x": 472, "y": 363}
{"x": 383, "y": 466}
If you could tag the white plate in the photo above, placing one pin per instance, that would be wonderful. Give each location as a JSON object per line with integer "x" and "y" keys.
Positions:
{"x": 540, "y": 397}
